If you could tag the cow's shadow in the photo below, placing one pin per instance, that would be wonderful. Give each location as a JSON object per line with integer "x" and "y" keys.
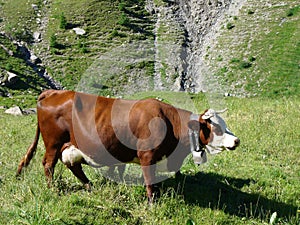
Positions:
{"x": 211, "y": 190}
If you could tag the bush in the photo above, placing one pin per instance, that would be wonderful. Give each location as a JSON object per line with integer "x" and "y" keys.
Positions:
{"x": 124, "y": 20}
{"x": 245, "y": 65}
{"x": 8, "y": 67}
{"x": 292, "y": 11}
{"x": 234, "y": 60}
{"x": 229, "y": 26}
{"x": 121, "y": 6}
{"x": 53, "y": 41}
{"x": 82, "y": 47}
{"x": 252, "y": 58}
{"x": 62, "y": 21}
{"x": 250, "y": 12}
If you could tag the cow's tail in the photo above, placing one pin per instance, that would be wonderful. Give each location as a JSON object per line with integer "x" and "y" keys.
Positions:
{"x": 30, "y": 152}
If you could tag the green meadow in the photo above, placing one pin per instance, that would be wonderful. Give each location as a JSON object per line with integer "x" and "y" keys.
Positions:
{"x": 246, "y": 186}
{"x": 256, "y": 56}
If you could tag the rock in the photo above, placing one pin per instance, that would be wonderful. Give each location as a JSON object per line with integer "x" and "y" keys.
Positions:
{"x": 35, "y": 7}
{"x": 79, "y": 31}
{"x": 34, "y": 59}
{"x": 14, "y": 111}
{"x": 37, "y": 36}
{"x": 11, "y": 79}
{"x": 9, "y": 52}
{"x": 29, "y": 111}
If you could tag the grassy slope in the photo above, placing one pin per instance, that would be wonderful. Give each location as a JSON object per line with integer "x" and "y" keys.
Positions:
{"x": 108, "y": 24}
{"x": 241, "y": 187}
{"x": 265, "y": 36}
{"x": 18, "y": 24}
{"x": 245, "y": 186}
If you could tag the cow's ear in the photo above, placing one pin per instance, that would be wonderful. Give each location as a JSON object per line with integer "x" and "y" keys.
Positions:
{"x": 194, "y": 125}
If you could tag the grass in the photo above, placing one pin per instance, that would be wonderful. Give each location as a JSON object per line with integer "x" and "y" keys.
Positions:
{"x": 28, "y": 82}
{"x": 271, "y": 36}
{"x": 241, "y": 187}
{"x": 20, "y": 18}
{"x": 107, "y": 28}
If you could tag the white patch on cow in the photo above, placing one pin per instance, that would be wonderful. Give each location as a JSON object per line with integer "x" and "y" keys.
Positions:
{"x": 199, "y": 157}
{"x": 222, "y": 138}
{"x": 72, "y": 155}
{"x": 229, "y": 140}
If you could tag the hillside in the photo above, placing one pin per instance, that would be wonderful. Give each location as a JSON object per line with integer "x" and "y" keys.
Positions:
{"x": 194, "y": 54}
{"x": 237, "y": 48}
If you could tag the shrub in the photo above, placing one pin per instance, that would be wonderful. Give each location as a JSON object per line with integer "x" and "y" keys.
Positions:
{"x": 62, "y": 21}
{"x": 124, "y": 20}
{"x": 82, "y": 47}
{"x": 8, "y": 67}
{"x": 224, "y": 69}
{"x": 53, "y": 41}
{"x": 252, "y": 58}
{"x": 250, "y": 12}
{"x": 245, "y": 65}
{"x": 122, "y": 6}
{"x": 292, "y": 11}
{"x": 229, "y": 26}
{"x": 234, "y": 60}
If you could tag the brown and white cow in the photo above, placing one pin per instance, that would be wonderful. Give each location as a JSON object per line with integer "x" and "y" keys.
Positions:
{"x": 79, "y": 128}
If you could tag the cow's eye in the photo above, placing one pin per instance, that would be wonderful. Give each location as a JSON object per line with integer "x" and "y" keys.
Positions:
{"x": 217, "y": 130}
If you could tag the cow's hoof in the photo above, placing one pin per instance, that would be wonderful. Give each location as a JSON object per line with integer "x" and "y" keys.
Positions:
{"x": 88, "y": 186}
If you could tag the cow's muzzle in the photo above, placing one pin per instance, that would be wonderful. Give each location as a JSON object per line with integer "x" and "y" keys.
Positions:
{"x": 236, "y": 144}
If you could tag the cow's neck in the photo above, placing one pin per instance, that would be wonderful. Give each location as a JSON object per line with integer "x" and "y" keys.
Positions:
{"x": 180, "y": 125}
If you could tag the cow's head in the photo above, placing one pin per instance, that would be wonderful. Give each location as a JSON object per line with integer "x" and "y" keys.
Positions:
{"x": 210, "y": 130}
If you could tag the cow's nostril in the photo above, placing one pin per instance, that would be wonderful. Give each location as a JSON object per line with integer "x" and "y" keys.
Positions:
{"x": 237, "y": 142}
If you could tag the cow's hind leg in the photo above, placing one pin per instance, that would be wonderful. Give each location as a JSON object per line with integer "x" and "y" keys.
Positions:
{"x": 78, "y": 172}
{"x": 49, "y": 162}
{"x": 72, "y": 158}
{"x": 149, "y": 173}
{"x": 148, "y": 168}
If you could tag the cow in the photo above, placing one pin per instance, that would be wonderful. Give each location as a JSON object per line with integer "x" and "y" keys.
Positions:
{"x": 80, "y": 128}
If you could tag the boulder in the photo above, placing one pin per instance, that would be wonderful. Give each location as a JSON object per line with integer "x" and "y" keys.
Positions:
{"x": 34, "y": 59}
{"x": 35, "y": 7}
{"x": 79, "y": 31}
{"x": 10, "y": 79}
{"x": 37, "y": 36}
{"x": 14, "y": 111}
{"x": 29, "y": 111}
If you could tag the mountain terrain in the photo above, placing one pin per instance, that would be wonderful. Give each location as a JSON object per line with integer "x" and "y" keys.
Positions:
{"x": 234, "y": 48}
{"x": 239, "y": 54}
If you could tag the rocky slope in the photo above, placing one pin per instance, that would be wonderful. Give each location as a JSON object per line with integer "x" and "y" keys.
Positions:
{"x": 194, "y": 26}
{"x": 129, "y": 46}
